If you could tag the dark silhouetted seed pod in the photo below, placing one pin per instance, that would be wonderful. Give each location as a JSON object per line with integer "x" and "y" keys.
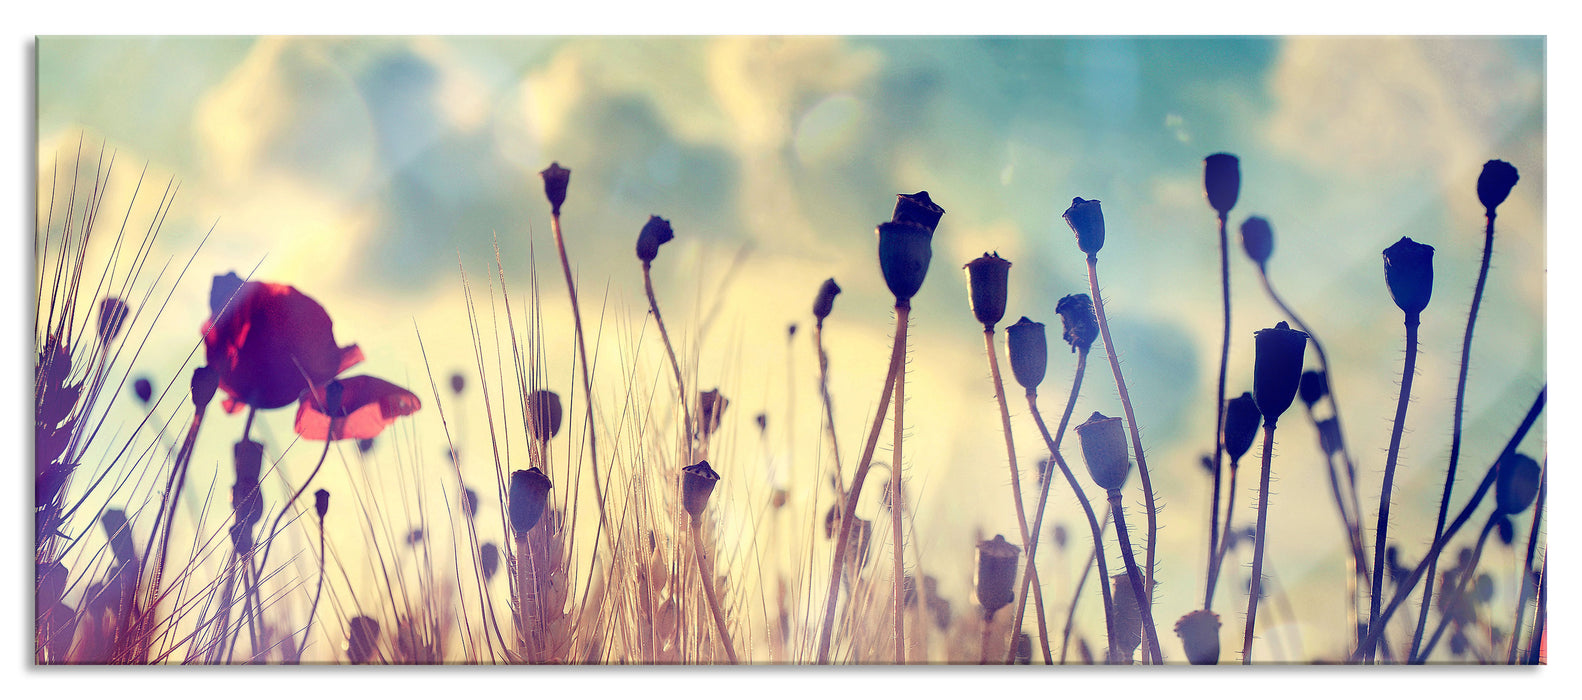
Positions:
{"x": 1060, "y": 536}
{"x": 825, "y": 301}
{"x": 996, "y": 574}
{"x": 1329, "y": 435}
{"x": 1222, "y": 181}
{"x": 1257, "y": 239}
{"x": 1495, "y": 183}
{"x": 119, "y": 533}
{"x": 555, "y": 180}
{"x": 489, "y": 559}
{"x": 205, "y": 382}
{"x": 713, "y": 405}
{"x": 988, "y": 282}
{"x": 458, "y": 382}
{"x": 1507, "y": 531}
{"x": 543, "y": 414}
{"x": 1515, "y": 483}
{"x": 655, "y": 233}
{"x": 529, "y": 492}
{"x": 1241, "y": 425}
{"x": 245, "y": 498}
{"x": 1081, "y": 325}
{"x": 1199, "y": 633}
{"x": 1128, "y": 619}
{"x": 1409, "y": 270}
{"x": 362, "y": 639}
{"x": 112, "y": 315}
{"x": 697, "y": 484}
{"x": 365, "y": 445}
{"x": 1087, "y": 221}
{"x": 143, "y": 389}
{"x": 469, "y": 502}
{"x": 1315, "y": 386}
{"x": 1024, "y": 649}
{"x": 321, "y": 502}
{"x": 1104, "y": 449}
{"x": 1277, "y": 369}
{"x": 1028, "y": 350}
{"x": 917, "y": 209}
{"x": 905, "y": 250}
{"x": 333, "y": 393}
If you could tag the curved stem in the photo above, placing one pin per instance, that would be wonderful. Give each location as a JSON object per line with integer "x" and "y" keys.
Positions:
{"x": 274, "y": 528}
{"x": 681, "y": 386}
{"x": 837, "y": 480}
{"x": 1031, "y": 570}
{"x": 1133, "y": 573}
{"x": 706, "y": 573}
{"x": 1224, "y": 542}
{"x": 317, "y": 591}
{"x": 1455, "y": 425}
{"x": 1382, "y": 529}
{"x": 1131, "y": 422}
{"x": 1219, "y": 417}
{"x": 895, "y": 500}
{"x": 587, "y": 378}
{"x": 1527, "y": 565}
{"x": 896, "y": 350}
{"x": 1461, "y": 590}
{"x": 1255, "y": 589}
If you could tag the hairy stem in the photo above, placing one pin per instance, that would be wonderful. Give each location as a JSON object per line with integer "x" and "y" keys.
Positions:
{"x": 1016, "y": 487}
{"x": 837, "y": 479}
{"x": 1255, "y": 589}
{"x": 1219, "y": 417}
{"x": 706, "y": 573}
{"x": 1133, "y": 573}
{"x": 1382, "y": 529}
{"x": 587, "y": 378}
{"x": 681, "y": 386}
{"x": 895, "y": 501}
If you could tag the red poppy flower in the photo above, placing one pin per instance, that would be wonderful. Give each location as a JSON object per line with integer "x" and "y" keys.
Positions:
{"x": 269, "y": 343}
{"x": 368, "y": 404}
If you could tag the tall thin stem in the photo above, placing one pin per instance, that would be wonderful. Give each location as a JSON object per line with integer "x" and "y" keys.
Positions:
{"x": 1224, "y": 542}
{"x": 1219, "y": 416}
{"x": 897, "y": 351}
{"x": 1455, "y": 423}
{"x": 895, "y": 496}
{"x": 1527, "y": 564}
{"x": 1016, "y": 484}
{"x": 706, "y": 573}
{"x": 587, "y": 377}
{"x": 317, "y": 591}
{"x": 1255, "y": 589}
{"x": 1383, "y": 527}
{"x": 275, "y": 527}
{"x": 1133, "y": 573}
{"x": 838, "y": 480}
{"x": 681, "y": 386}
{"x": 1131, "y": 422}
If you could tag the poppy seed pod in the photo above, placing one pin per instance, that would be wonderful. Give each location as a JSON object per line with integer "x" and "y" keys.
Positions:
{"x": 825, "y": 301}
{"x": 988, "y": 279}
{"x": 205, "y": 382}
{"x": 655, "y": 233}
{"x": 529, "y": 491}
{"x": 1516, "y": 483}
{"x": 1087, "y": 221}
{"x": 697, "y": 484}
{"x": 543, "y": 414}
{"x": 334, "y": 392}
{"x": 1241, "y": 425}
{"x": 1104, "y": 449}
{"x": 1495, "y": 183}
{"x": 1128, "y": 619}
{"x": 1199, "y": 633}
{"x": 457, "y": 383}
{"x": 112, "y": 314}
{"x": 1257, "y": 239}
{"x": 1315, "y": 386}
{"x": 996, "y": 574}
{"x": 245, "y": 498}
{"x": 1081, "y": 325}
{"x": 905, "y": 249}
{"x": 144, "y": 389}
{"x": 365, "y": 445}
{"x": 1506, "y": 530}
{"x": 469, "y": 502}
{"x": 1028, "y": 349}
{"x": 1409, "y": 270}
{"x": 713, "y": 405}
{"x": 917, "y": 209}
{"x": 321, "y": 502}
{"x": 555, "y": 180}
{"x": 1222, "y": 181}
{"x": 489, "y": 559}
{"x": 1277, "y": 369}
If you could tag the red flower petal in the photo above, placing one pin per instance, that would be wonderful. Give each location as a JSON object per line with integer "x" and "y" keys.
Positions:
{"x": 368, "y": 404}
{"x": 269, "y": 342}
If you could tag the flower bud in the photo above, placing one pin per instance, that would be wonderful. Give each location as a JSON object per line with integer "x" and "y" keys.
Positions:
{"x": 713, "y": 405}
{"x": 245, "y": 498}
{"x": 205, "y": 382}
{"x": 1029, "y": 352}
{"x": 1516, "y": 478}
{"x": 996, "y": 574}
{"x": 458, "y": 382}
{"x": 1315, "y": 386}
{"x": 1087, "y": 221}
{"x": 1128, "y": 619}
{"x": 1081, "y": 325}
{"x": 144, "y": 390}
{"x": 1222, "y": 181}
{"x": 655, "y": 233}
{"x": 697, "y": 484}
{"x": 543, "y": 414}
{"x": 555, "y": 180}
{"x": 1495, "y": 183}
{"x": 905, "y": 250}
{"x": 112, "y": 314}
{"x": 1199, "y": 633}
{"x": 825, "y": 301}
{"x": 988, "y": 279}
{"x": 1277, "y": 369}
{"x": 1409, "y": 270}
{"x": 917, "y": 209}
{"x": 528, "y": 494}
{"x": 362, "y": 639}
{"x": 1104, "y": 449}
{"x": 489, "y": 559}
{"x": 1257, "y": 239}
{"x": 321, "y": 503}
{"x": 1241, "y": 425}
